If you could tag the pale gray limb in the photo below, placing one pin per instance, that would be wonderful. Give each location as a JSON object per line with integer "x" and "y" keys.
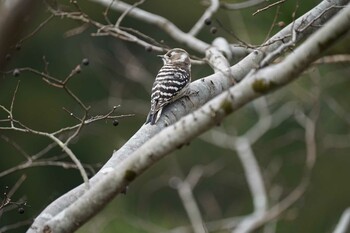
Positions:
{"x": 343, "y": 224}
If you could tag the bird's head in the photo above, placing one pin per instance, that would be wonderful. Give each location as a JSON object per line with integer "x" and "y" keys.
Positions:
{"x": 176, "y": 56}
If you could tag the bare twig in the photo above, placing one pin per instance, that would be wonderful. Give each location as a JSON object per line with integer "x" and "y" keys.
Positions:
{"x": 240, "y": 5}
{"x": 37, "y": 29}
{"x": 273, "y": 55}
{"x": 17, "y": 147}
{"x": 8, "y": 194}
{"x": 43, "y": 163}
{"x": 23, "y": 128}
{"x": 268, "y": 6}
{"x": 16, "y": 225}
{"x": 125, "y": 13}
{"x": 16, "y": 186}
{"x": 309, "y": 24}
{"x": 273, "y": 23}
{"x": 330, "y": 59}
{"x": 161, "y": 22}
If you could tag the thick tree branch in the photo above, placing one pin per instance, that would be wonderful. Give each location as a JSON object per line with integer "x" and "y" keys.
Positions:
{"x": 209, "y": 87}
{"x": 146, "y": 154}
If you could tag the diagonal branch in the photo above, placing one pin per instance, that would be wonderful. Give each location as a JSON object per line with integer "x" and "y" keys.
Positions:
{"x": 256, "y": 84}
{"x": 208, "y": 87}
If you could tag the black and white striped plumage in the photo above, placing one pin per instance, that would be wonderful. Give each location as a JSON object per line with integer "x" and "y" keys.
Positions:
{"x": 171, "y": 82}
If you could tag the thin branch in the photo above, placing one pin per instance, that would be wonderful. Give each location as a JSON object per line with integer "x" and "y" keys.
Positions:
{"x": 72, "y": 157}
{"x": 105, "y": 13}
{"x": 161, "y": 22}
{"x": 42, "y": 163}
{"x": 77, "y": 131}
{"x": 331, "y": 59}
{"x": 268, "y": 6}
{"x": 309, "y": 24}
{"x": 241, "y": 5}
{"x": 13, "y": 101}
{"x": 17, "y": 147}
{"x": 16, "y": 225}
{"x": 125, "y": 13}
{"x": 213, "y": 7}
{"x": 45, "y": 76}
{"x": 37, "y": 29}
{"x": 273, "y": 55}
{"x": 230, "y": 32}
{"x": 71, "y": 114}
{"x": 16, "y": 186}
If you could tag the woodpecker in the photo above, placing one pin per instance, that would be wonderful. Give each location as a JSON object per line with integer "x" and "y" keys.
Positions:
{"x": 171, "y": 82}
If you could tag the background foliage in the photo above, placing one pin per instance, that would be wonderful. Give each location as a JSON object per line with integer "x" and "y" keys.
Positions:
{"x": 150, "y": 202}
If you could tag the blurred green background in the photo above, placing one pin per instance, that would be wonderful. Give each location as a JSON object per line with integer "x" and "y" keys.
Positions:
{"x": 122, "y": 73}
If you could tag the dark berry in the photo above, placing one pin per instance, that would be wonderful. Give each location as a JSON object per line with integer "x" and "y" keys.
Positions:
{"x": 21, "y": 210}
{"x": 207, "y": 21}
{"x": 213, "y": 30}
{"x": 86, "y": 62}
{"x": 115, "y": 122}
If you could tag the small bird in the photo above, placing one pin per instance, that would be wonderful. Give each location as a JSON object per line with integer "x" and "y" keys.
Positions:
{"x": 171, "y": 82}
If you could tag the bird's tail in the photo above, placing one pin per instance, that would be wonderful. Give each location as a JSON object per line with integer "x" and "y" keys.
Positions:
{"x": 153, "y": 117}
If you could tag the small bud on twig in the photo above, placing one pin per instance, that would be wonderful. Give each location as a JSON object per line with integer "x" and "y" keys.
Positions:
{"x": 86, "y": 62}
{"x": 78, "y": 69}
{"x": 281, "y": 24}
{"x": 16, "y": 72}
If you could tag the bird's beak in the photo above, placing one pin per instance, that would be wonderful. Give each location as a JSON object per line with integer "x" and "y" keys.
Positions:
{"x": 163, "y": 58}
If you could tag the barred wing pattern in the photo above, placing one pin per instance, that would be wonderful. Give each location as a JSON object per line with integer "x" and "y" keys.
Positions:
{"x": 170, "y": 84}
